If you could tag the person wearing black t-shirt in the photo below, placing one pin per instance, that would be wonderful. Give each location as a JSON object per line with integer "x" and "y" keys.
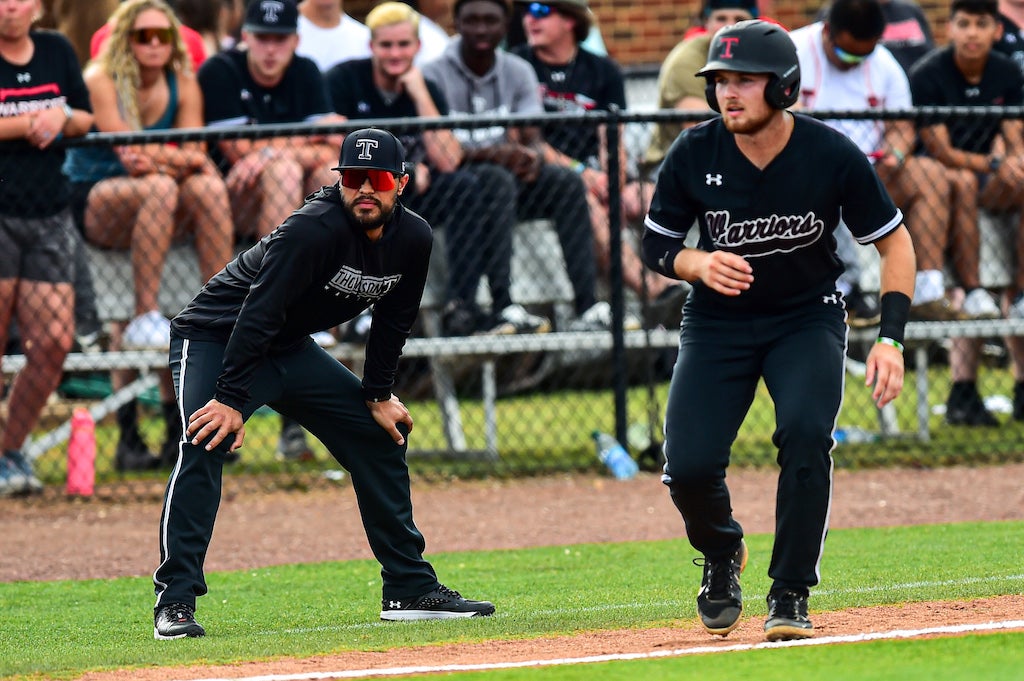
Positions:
{"x": 268, "y": 83}
{"x": 243, "y": 342}
{"x": 574, "y": 80}
{"x": 767, "y": 189}
{"x": 44, "y": 99}
{"x": 986, "y": 160}
{"x": 390, "y": 85}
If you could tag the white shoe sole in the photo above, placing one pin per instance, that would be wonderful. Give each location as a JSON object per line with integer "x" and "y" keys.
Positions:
{"x": 414, "y": 615}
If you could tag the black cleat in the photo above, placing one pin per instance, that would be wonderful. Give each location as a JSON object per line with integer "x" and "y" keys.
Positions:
{"x": 720, "y": 600}
{"x": 787, "y": 616}
{"x": 441, "y": 603}
{"x": 176, "y": 620}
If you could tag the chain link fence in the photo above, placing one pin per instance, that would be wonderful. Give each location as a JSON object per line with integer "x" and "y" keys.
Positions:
{"x": 491, "y": 404}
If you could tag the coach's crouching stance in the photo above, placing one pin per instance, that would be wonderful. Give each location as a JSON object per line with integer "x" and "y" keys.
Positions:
{"x": 244, "y": 342}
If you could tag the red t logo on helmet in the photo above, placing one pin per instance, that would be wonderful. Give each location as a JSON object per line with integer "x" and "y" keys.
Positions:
{"x": 727, "y": 43}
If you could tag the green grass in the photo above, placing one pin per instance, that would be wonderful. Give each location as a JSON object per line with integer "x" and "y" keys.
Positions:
{"x": 62, "y": 629}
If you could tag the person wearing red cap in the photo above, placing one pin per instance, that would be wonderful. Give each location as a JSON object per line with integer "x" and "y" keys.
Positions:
{"x": 244, "y": 341}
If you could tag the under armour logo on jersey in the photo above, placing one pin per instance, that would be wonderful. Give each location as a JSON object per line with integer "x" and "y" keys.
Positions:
{"x": 830, "y": 300}
{"x": 271, "y": 9}
{"x": 558, "y": 76}
{"x": 24, "y": 77}
{"x": 365, "y": 145}
{"x": 715, "y": 179}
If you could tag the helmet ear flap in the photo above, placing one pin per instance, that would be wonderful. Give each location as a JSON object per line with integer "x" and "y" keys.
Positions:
{"x": 709, "y": 94}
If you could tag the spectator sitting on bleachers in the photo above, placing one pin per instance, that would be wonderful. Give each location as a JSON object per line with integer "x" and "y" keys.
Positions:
{"x": 328, "y": 36}
{"x": 575, "y": 80}
{"x": 140, "y": 197}
{"x": 265, "y": 84}
{"x": 191, "y": 39}
{"x": 844, "y": 68}
{"x": 37, "y": 237}
{"x": 986, "y": 162}
{"x": 480, "y": 79}
{"x": 1011, "y": 40}
{"x": 390, "y": 85}
{"x": 907, "y": 34}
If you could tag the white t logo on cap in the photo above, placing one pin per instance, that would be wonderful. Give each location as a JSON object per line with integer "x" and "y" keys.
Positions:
{"x": 364, "y": 148}
{"x": 271, "y": 8}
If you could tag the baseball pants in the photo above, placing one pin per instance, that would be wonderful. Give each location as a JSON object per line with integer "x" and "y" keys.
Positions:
{"x": 325, "y": 397}
{"x": 800, "y": 353}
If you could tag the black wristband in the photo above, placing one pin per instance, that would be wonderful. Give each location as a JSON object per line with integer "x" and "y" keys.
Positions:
{"x": 895, "y": 312}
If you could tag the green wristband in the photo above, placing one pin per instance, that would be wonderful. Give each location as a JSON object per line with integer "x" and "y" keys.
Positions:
{"x": 890, "y": 341}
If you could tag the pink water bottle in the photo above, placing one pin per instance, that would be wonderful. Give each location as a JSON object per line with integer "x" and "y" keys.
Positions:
{"x": 81, "y": 454}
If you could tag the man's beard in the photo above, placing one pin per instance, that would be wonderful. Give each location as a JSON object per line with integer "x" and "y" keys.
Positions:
{"x": 748, "y": 127}
{"x": 367, "y": 222}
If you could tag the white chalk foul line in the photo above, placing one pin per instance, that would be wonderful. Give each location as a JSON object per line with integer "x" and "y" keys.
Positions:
{"x": 894, "y": 588}
{"x": 696, "y": 650}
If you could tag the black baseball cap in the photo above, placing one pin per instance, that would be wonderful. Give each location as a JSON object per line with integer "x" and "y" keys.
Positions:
{"x": 372, "y": 148}
{"x": 271, "y": 16}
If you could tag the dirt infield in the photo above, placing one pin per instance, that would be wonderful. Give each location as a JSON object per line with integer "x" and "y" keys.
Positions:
{"x": 102, "y": 539}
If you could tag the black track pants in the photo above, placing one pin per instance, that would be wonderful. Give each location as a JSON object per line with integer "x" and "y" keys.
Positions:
{"x": 800, "y": 354}
{"x": 325, "y": 397}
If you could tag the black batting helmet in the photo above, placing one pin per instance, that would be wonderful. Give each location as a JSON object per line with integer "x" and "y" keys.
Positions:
{"x": 755, "y": 46}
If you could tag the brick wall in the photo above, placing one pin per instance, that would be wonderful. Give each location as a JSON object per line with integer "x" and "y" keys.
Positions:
{"x": 641, "y": 32}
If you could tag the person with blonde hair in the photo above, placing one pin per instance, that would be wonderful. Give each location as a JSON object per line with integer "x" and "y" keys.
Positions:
{"x": 141, "y": 197}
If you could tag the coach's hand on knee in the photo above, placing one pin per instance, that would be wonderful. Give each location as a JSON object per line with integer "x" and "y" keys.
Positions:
{"x": 216, "y": 421}
{"x": 388, "y": 414}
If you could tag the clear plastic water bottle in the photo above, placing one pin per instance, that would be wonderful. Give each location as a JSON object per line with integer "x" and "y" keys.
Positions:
{"x": 615, "y": 456}
{"x": 854, "y": 436}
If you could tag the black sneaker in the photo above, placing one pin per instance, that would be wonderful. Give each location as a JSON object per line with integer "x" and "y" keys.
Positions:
{"x": 132, "y": 454}
{"x": 293, "y": 445}
{"x": 966, "y": 408}
{"x": 787, "y": 616}
{"x": 176, "y": 620}
{"x": 441, "y": 603}
{"x": 720, "y": 600}
{"x": 861, "y": 309}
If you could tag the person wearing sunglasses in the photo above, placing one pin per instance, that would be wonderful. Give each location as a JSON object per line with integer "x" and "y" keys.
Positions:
{"x": 847, "y": 69}
{"x": 574, "y": 80}
{"x": 142, "y": 197}
{"x": 191, "y": 38}
{"x": 390, "y": 85}
{"x": 244, "y": 341}
{"x": 479, "y": 79}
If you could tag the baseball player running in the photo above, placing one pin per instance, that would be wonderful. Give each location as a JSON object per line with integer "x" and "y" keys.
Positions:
{"x": 767, "y": 189}
{"x": 244, "y": 342}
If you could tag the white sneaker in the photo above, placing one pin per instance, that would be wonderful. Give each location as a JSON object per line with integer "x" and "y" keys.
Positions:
{"x": 515, "y": 319}
{"x": 149, "y": 331}
{"x": 980, "y": 304}
{"x": 598, "y": 317}
{"x": 324, "y": 339}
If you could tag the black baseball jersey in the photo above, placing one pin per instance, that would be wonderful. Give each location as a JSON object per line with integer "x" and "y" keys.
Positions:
{"x": 1012, "y": 41}
{"x": 31, "y": 182}
{"x": 780, "y": 219}
{"x": 588, "y": 83}
{"x": 936, "y": 81}
{"x": 312, "y": 273}
{"x": 355, "y": 96}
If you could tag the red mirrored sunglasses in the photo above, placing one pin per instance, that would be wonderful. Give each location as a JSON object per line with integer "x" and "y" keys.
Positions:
{"x": 144, "y": 36}
{"x": 380, "y": 180}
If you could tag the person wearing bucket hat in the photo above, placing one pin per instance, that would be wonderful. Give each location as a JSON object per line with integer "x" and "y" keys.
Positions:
{"x": 244, "y": 341}
{"x": 767, "y": 188}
